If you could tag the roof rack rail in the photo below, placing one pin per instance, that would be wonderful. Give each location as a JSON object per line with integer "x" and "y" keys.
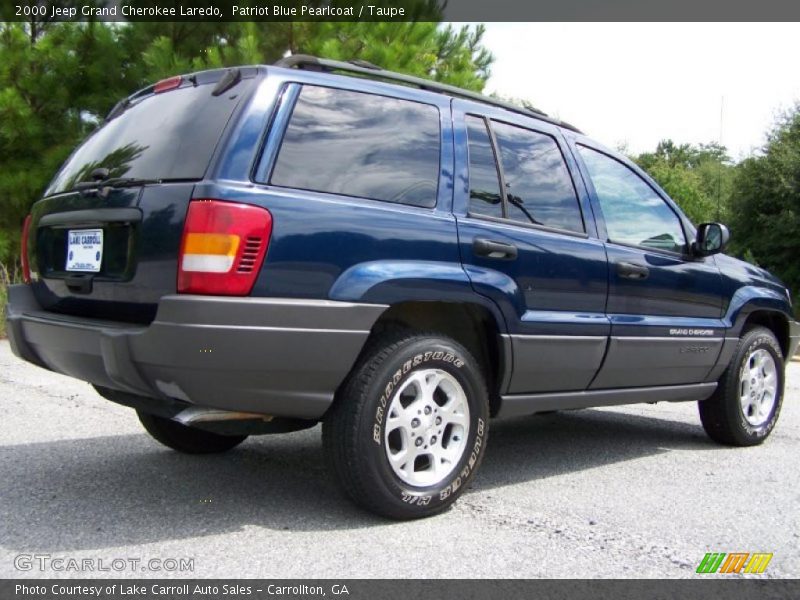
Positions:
{"x": 362, "y": 67}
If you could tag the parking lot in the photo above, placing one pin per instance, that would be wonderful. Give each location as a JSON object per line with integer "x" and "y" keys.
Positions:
{"x": 626, "y": 492}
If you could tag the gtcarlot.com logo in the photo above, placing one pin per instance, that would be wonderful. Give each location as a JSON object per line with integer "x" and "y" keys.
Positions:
{"x": 82, "y": 564}
{"x": 735, "y": 562}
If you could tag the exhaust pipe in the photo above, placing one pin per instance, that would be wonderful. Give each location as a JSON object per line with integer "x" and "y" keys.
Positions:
{"x": 198, "y": 416}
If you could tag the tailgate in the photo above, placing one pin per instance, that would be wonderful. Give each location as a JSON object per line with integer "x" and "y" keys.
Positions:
{"x": 130, "y": 254}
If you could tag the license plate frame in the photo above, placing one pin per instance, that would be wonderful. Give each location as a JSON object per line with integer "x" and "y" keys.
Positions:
{"x": 84, "y": 250}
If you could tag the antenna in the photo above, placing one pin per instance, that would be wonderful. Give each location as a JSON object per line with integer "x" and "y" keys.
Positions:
{"x": 719, "y": 166}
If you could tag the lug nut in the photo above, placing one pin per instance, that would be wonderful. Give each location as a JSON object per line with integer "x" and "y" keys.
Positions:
{"x": 427, "y": 410}
{"x": 418, "y": 442}
{"x": 433, "y": 439}
{"x": 438, "y": 420}
{"x": 415, "y": 422}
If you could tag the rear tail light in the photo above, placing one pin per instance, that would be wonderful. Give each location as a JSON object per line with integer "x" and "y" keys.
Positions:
{"x": 223, "y": 247}
{"x": 26, "y": 264}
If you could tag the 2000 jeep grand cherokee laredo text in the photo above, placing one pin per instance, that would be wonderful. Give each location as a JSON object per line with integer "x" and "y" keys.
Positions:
{"x": 258, "y": 249}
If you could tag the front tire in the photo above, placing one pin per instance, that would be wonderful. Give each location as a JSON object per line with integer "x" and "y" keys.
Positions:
{"x": 408, "y": 429}
{"x": 188, "y": 440}
{"x": 745, "y": 406}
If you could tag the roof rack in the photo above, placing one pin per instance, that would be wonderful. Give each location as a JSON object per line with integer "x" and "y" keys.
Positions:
{"x": 362, "y": 67}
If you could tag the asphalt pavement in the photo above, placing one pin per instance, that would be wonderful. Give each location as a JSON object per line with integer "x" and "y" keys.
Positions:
{"x": 624, "y": 492}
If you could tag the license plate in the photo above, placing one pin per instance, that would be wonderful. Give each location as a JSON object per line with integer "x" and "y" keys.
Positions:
{"x": 84, "y": 250}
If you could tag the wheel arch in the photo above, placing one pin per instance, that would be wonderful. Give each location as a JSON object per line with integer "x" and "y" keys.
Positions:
{"x": 756, "y": 305}
{"x": 438, "y": 297}
{"x": 470, "y": 324}
{"x": 777, "y": 322}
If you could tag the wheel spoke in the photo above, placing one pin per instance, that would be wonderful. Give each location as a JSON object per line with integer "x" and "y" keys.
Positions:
{"x": 429, "y": 384}
{"x": 453, "y": 413}
{"x": 436, "y": 465}
{"x": 456, "y": 419}
{"x": 399, "y": 417}
{"x": 399, "y": 459}
{"x": 450, "y": 454}
{"x": 414, "y": 383}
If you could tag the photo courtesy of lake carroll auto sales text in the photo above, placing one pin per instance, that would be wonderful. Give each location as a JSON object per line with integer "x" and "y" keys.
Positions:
{"x": 411, "y": 298}
{"x": 177, "y": 590}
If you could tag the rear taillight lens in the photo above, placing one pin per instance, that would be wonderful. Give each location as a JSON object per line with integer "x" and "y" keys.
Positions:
{"x": 26, "y": 264}
{"x": 223, "y": 247}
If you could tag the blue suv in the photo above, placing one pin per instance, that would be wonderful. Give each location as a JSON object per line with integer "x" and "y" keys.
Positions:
{"x": 258, "y": 249}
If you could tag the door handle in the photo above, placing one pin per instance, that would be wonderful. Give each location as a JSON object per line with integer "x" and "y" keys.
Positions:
{"x": 630, "y": 270}
{"x": 492, "y": 249}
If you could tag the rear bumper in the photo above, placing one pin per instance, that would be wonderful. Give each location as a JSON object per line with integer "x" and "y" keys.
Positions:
{"x": 281, "y": 357}
{"x": 794, "y": 338}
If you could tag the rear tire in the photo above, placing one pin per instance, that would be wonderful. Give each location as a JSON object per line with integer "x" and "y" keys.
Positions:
{"x": 188, "y": 440}
{"x": 408, "y": 429}
{"x": 745, "y": 406}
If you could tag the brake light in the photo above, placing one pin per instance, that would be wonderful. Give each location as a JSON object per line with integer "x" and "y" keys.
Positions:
{"x": 223, "y": 247}
{"x": 26, "y": 265}
{"x": 167, "y": 84}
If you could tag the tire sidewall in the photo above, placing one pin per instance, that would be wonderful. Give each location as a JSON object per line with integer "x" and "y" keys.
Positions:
{"x": 757, "y": 340}
{"x": 432, "y": 353}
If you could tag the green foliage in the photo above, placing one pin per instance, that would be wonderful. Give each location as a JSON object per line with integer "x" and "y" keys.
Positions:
{"x": 58, "y": 80}
{"x": 54, "y": 86}
{"x": 685, "y": 187}
{"x": 765, "y": 202}
{"x": 448, "y": 55}
{"x": 698, "y": 178}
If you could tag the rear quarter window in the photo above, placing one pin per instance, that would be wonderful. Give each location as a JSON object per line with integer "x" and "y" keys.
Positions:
{"x": 362, "y": 145}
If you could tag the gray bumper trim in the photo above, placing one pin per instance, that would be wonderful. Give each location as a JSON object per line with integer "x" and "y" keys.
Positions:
{"x": 282, "y": 357}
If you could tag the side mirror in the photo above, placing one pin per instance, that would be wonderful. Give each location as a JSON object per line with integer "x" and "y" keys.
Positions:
{"x": 711, "y": 239}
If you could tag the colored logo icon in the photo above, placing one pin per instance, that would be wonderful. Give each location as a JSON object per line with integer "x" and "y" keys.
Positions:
{"x": 734, "y": 562}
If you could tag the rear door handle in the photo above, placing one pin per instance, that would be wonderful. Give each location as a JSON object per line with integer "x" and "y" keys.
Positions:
{"x": 630, "y": 270}
{"x": 492, "y": 249}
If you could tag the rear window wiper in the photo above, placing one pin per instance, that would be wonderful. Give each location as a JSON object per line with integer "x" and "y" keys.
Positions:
{"x": 102, "y": 187}
{"x": 114, "y": 182}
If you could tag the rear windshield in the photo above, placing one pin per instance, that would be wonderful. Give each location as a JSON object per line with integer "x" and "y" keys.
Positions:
{"x": 170, "y": 135}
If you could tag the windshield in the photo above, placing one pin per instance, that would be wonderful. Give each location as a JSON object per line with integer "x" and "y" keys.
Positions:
{"x": 170, "y": 135}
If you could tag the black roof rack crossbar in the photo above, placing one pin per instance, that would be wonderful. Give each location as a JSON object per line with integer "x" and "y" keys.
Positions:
{"x": 367, "y": 69}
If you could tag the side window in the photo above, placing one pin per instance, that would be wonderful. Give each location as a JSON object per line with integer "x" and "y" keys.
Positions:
{"x": 361, "y": 145}
{"x": 540, "y": 189}
{"x": 484, "y": 183}
{"x": 633, "y": 212}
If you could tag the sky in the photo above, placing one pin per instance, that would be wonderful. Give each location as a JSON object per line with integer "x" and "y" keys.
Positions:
{"x": 635, "y": 84}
